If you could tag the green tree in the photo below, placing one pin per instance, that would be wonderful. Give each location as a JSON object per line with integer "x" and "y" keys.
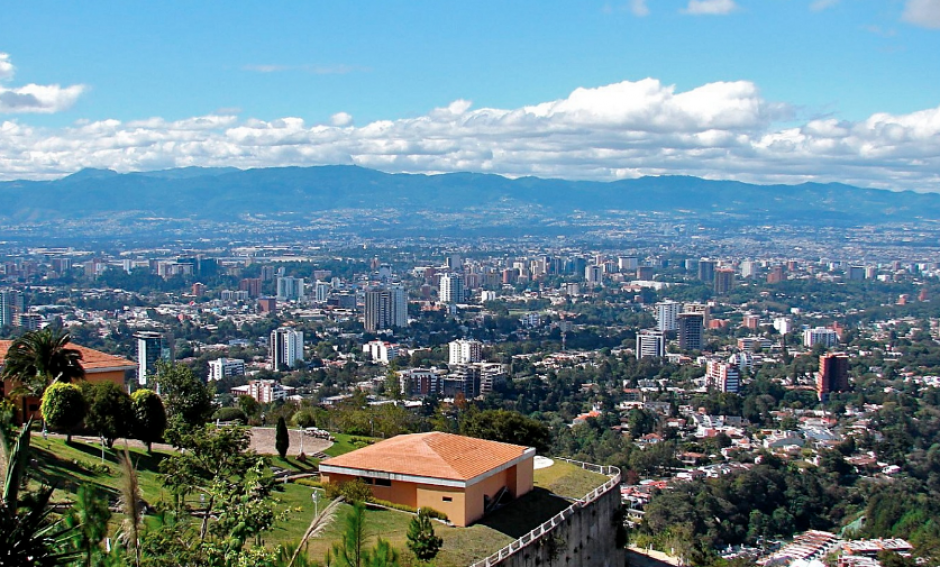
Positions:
{"x": 187, "y": 400}
{"x": 110, "y": 411}
{"x": 422, "y": 541}
{"x": 89, "y": 516}
{"x": 39, "y": 358}
{"x": 149, "y": 417}
{"x": 63, "y": 407}
{"x": 508, "y": 427}
{"x": 352, "y": 551}
{"x": 281, "y": 437}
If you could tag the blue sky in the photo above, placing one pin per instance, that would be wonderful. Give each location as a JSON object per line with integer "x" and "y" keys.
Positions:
{"x": 119, "y": 84}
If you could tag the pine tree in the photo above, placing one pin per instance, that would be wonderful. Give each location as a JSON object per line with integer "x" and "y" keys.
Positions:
{"x": 422, "y": 541}
{"x": 281, "y": 438}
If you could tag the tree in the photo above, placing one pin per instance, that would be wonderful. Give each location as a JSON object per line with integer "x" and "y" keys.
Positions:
{"x": 89, "y": 516}
{"x": 281, "y": 437}
{"x": 110, "y": 411}
{"x": 149, "y": 417}
{"x": 40, "y": 357}
{"x": 352, "y": 552}
{"x": 508, "y": 427}
{"x": 63, "y": 407}
{"x": 187, "y": 399}
{"x": 422, "y": 541}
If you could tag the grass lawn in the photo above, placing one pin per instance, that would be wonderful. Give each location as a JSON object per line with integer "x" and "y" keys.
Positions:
{"x": 344, "y": 444}
{"x": 462, "y": 546}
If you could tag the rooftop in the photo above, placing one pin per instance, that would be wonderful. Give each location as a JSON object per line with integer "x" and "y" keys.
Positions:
{"x": 433, "y": 455}
{"x": 92, "y": 360}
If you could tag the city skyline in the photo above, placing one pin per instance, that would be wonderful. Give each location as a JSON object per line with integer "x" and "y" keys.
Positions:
{"x": 755, "y": 91}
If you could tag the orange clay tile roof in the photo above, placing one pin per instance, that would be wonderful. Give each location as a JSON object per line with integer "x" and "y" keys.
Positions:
{"x": 92, "y": 360}
{"x": 435, "y": 455}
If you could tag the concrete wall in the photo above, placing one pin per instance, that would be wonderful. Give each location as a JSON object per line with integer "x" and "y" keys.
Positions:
{"x": 586, "y": 539}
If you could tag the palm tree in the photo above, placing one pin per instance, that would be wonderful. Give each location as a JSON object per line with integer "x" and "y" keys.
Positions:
{"x": 39, "y": 358}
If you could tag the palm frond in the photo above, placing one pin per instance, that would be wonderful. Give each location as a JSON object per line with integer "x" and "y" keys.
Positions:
{"x": 16, "y": 469}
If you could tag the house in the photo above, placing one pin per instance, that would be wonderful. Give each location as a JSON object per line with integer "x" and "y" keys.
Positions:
{"x": 462, "y": 477}
{"x": 99, "y": 367}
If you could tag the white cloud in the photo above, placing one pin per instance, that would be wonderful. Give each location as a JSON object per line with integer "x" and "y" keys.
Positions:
{"x": 710, "y": 7}
{"x": 341, "y": 119}
{"x": 6, "y": 67}
{"x": 820, "y": 5}
{"x": 639, "y": 8}
{"x": 31, "y": 97}
{"x": 724, "y": 130}
{"x": 923, "y": 13}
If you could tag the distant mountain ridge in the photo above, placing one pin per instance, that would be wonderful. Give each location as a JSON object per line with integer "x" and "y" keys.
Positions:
{"x": 229, "y": 193}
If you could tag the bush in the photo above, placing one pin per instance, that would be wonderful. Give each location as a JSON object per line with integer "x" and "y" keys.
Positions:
{"x": 431, "y": 512}
{"x": 352, "y": 491}
{"x": 63, "y": 407}
{"x": 309, "y": 482}
{"x": 230, "y": 414}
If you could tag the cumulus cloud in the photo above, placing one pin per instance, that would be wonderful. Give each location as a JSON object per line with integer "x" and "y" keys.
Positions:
{"x": 710, "y": 7}
{"x": 6, "y": 67}
{"x": 31, "y": 97}
{"x": 923, "y": 13}
{"x": 723, "y": 130}
{"x": 341, "y": 119}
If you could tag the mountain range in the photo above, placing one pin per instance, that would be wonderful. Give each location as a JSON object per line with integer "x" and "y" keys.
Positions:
{"x": 225, "y": 194}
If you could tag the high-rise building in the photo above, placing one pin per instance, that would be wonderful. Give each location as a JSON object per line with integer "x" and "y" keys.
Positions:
{"x": 748, "y": 269}
{"x": 286, "y": 347}
{"x": 323, "y": 290}
{"x": 594, "y": 274}
{"x": 251, "y": 285}
{"x": 706, "y": 271}
{"x": 833, "y": 375}
{"x": 827, "y": 337}
{"x": 855, "y": 273}
{"x": 650, "y": 343}
{"x": 691, "y": 329}
{"x": 152, "y": 346}
{"x": 290, "y": 288}
{"x": 464, "y": 351}
{"x": 451, "y": 289}
{"x": 644, "y": 273}
{"x": 7, "y": 299}
{"x": 702, "y": 308}
{"x": 627, "y": 263}
{"x": 386, "y": 308}
{"x": 225, "y": 367}
{"x": 724, "y": 280}
{"x": 722, "y": 376}
{"x": 776, "y": 274}
{"x": 666, "y": 313}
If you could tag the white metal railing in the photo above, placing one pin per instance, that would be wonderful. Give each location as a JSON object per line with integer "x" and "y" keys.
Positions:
{"x": 559, "y": 518}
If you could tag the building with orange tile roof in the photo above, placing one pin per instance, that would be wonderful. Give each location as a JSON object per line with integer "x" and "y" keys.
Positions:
{"x": 99, "y": 367}
{"x": 462, "y": 477}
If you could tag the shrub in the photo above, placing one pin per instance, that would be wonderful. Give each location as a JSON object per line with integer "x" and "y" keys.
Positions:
{"x": 230, "y": 414}
{"x": 309, "y": 482}
{"x": 352, "y": 491}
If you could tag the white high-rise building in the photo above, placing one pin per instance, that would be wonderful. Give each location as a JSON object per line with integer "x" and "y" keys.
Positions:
{"x": 650, "y": 343}
{"x": 666, "y": 314}
{"x": 386, "y": 308}
{"x": 290, "y": 288}
{"x": 381, "y": 351}
{"x": 465, "y": 352}
{"x": 151, "y": 347}
{"x": 286, "y": 347}
{"x": 812, "y": 337}
{"x": 594, "y": 274}
{"x": 749, "y": 268}
{"x": 783, "y": 325}
{"x": 323, "y": 290}
{"x": 451, "y": 289}
{"x": 225, "y": 367}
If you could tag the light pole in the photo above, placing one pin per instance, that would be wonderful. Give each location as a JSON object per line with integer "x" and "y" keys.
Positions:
{"x": 316, "y": 503}
{"x": 101, "y": 438}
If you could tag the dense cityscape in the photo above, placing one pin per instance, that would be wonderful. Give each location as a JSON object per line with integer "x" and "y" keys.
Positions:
{"x": 696, "y": 373}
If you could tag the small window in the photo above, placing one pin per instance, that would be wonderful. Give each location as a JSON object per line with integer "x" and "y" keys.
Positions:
{"x": 448, "y": 499}
{"x": 383, "y": 482}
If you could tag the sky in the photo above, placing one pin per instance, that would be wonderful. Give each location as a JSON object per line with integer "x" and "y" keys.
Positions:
{"x": 764, "y": 91}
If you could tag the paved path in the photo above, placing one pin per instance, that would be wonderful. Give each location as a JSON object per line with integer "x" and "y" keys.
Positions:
{"x": 262, "y": 442}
